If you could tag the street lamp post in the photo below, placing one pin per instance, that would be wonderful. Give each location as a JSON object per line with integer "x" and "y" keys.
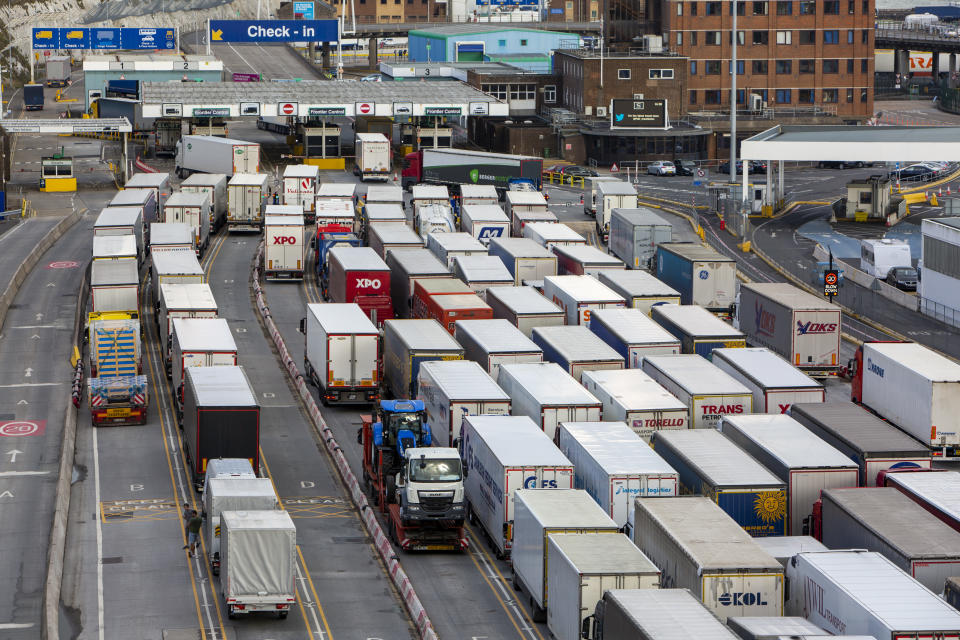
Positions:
{"x": 733, "y": 97}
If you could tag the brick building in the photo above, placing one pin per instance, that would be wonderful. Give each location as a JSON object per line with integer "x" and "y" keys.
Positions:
{"x": 792, "y": 55}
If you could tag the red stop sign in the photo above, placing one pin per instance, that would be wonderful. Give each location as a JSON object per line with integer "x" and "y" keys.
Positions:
{"x": 365, "y": 108}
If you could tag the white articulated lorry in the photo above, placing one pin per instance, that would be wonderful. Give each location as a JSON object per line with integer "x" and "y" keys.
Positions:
{"x": 211, "y": 154}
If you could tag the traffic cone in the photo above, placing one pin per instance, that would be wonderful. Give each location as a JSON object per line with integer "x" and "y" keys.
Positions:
{"x": 948, "y": 189}
{"x": 394, "y": 176}
{"x": 940, "y": 192}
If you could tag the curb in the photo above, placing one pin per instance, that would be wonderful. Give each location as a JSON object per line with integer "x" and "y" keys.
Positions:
{"x": 414, "y": 607}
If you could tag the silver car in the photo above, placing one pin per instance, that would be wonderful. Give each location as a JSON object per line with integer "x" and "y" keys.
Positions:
{"x": 661, "y": 168}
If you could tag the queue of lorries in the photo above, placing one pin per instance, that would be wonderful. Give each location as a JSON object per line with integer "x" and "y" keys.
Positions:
{"x": 645, "y": 441}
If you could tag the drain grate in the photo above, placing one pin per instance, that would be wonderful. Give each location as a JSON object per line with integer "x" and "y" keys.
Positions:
{"x": 112, "y": 560}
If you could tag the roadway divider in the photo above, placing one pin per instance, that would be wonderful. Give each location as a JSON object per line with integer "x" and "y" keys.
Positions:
{"x": 417, "y": 613}
{"x": 867, "y": 281}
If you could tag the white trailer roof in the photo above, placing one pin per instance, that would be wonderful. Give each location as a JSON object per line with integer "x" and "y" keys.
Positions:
{"x": 187, "y": 295}
{"x": 940, "y": 489}
{"x": 633, "y": 326}
{"x": 204, "y": 180}
{"x": 695, "y": 320}
{"x": 765, "y": 368}
{"x": 498, "y": 336}
{"x": 774, "y": 626}
{"x": 517, "y": 441}
{"x": 584, "y": 288}
{"x": 301, "y": 171}
{"x": 525, "y": 198}
{"x": 283, "y": 221}
{"x": 176, "y": 262}
{"x": 616, "y": 188}
{"x": 695, "y": 251}
{"x": 588, "y": 254}
{"x": 696, "y": 374}
{"x": 204, "y": 334}
{"x": 523, "y": 300}
{"x": 484, "y": 213}
{"x": 478, "y": 191}
{"x": 635, "y": 389}
{"x": 384, "y": 193}
{"x": 603, "y": 554}
{"x": 118, "y": 217}
{"x": 337, "y": 190}
{"x": 567, "y": 508}
{"x": 523, "y": 248}
{"x": 788, "y": 546}
{"x": 457, "y": 241}
{"x": 358, "y": 259}
{"x": 464, "y": 380}
{"x": 375, "y": 211}
{"x": 113, "y": 272}
{"x": 132, "y": 197}
{"x": 554, "y": 232}
{"x": 670, "y": 614}
{"x": 429, "y": 192}
{"x": 617, "y": 448}
{"x": 187, "y": 199}
{"x": 422, "y": 335}
{"x": 164, "y": 233}
{"x": 147, "y": 180}
{"x": 283, "y": 210}
{"x": 417, "y": 262}
{"x": 261, "y": 520}
{"x": 482, "y": 269}
{"x": 919, "y": 359}
{"x": 890, "y": 594}
{"x": 636, "y": 283}
{"x": 346, "y": 318}
{"x": 788, "y": 441}
{"x": 248, "y": 180}
{"x": 790, "y": 296}
{"x": 549, "y": 384}
{"x": 718, "y": 460}
{"x": 241, "y": 487}
{"x": 123, "y": 246}
{"x": 576, "y": 343}
{"x": 710, "y": 537}
{"x": 371, "y": 137}
{"x": 641, "y": 216}
{"x": 221, "y": 387}
{"x": 397, "y": 233}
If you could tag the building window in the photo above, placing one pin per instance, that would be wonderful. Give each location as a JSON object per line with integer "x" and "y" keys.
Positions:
{"x": 712, "y": 96}
{"x": 849, "y": 36}
{"x": 712, "y": 67}
{"x": 805, "y": 96}
{"x": 741, "y": 96}
{"x": 808, "y": 36}
{"x": 498, "y": 91}
{"x": 851, "y": 6}
{"x": 784, "y": 67}
{"x": 759, "y": 8}
{"x": 713, "y": 9}
{"x": 549, "y": 93}
{"x": 783, "y": 96}
{"x": 807, "y": 66}
{"x": 784, "y": 37}
{"x": 850, "y": 65}
{"x": 831, "y": 36}
{"x": 849, "y": 95}
{"x": 693, "y": 8}
{"x": 693, "y": 97}
{"x": 784, "y": 8}
{"x": 523, "y": 43}
{"x": 661, "y": 74}
{"x": 831, "y": 7}
{"x": 865, "y": 9}
{"x": 761, "y": 37}
{"x": 863, "y": 66}
{"x": 863, "y": 95}
{"x": 523, "y": 92}
{"x": 711, "y": 37}
{"x": 693, "y": 38}
{"x": 623, "y": 74}
{"x": 740, "y": 67}
{"x": 864, "y": 36}
{"x": 679, "y": 8}
{"x": 741, "y": 8}
{"x": 679, "y": 38}
{"x": 759, "y": 67}
{"x": 501, "y": 43}
{"x": 831, "y": 66}
{"x": 831, "y": 96}
{"x": 808, "y": 7}
{"x": 741, "y": 38}
{"x": 693, "y": 67}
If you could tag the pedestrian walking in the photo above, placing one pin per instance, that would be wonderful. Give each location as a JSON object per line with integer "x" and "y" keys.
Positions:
{"x": 193, "y": 530}
{"x": 186, "y": 519}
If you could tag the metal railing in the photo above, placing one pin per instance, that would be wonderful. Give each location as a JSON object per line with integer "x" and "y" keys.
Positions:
{"x": 933, "y": 33}
{"x": 768, "y": 113}
{"x": 941, "y": 312}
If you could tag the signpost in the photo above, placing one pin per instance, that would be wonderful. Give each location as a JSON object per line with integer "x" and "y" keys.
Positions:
{"x": 638, "y": 114}
{"x": 273, "y": 30}
{"x": 132, "y": 38}
{"x": 830, "y": 282}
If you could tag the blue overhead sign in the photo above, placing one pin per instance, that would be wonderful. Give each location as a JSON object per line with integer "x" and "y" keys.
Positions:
{"x": 46, "y": 38}
{"x": 304, "y": 9}
{"x": 273, "y": 30}
{"x": 147, "y": 38}
{"x": 105, "y": 38}
{"x": 132, "y": 38}
{"x": 74, "y": 38}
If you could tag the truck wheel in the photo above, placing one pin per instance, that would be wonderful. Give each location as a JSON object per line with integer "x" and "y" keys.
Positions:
{"x": 471, "y": 517}
{"x": 391, "y": 489}
{"x": 516, "y": 582}
{"x": 282, "y": 615}
{"x": 230, "y": 613}
{"x": 536, "y": 612}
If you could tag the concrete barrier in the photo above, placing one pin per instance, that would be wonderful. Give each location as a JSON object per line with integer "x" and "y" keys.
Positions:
{"x": 867, "y": 281}
{"x": 415, "y": 608}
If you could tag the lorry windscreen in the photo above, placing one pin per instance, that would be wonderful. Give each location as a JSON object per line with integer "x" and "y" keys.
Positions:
{"x": 436, "y": 470}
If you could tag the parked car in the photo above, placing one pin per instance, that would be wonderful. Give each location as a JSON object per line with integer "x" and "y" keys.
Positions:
{"x": 916, "y": 172}
{"x": 939, "y": 169}
{"x": 903, "y": 278}
{"x": 842, "y": 164}
{"x": 685, "y": 167}
{"x": 578, "y": 171}
{"x": 754, "y": 166}
{"x": 373, "y": 77}
{"x": 661, "y": 168}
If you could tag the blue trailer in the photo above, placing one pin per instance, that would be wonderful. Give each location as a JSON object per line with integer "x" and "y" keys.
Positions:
{"x": 701, "y": 275}
{"x": 698, "y": 330}
{"x": 709, "y": 464}
{"x": 632, "y": 334}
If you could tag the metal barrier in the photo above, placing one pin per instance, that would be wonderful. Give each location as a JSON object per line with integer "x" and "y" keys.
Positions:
{"x": 943, "y": 313}
{"x": 556, "y": 177}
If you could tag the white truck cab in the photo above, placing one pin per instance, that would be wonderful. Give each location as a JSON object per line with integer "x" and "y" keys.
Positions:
{"x": 430, "y": 486}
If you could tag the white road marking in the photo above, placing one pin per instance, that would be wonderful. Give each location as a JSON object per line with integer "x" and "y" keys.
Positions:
{"x": 14, "y": 474}
{"x": 14, "y": 625}
{"x": 30, "y": 384}
{"x": 96, "y": 490}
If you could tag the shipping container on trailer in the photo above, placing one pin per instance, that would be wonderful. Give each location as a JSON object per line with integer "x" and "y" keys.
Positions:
{"x": 406, "y": 267}
{"x": 384, "y": 214}
{"x": 334, "y": 216}
{"x": 873, "y": 444}
{"x": 477, "y": 194}
{"x": 447, "y": 246}
{"x": 615, "y": 467}
{"x": 358, "y": 275}
{"x": 938, "y": 493}
{"x": 246, "y": 193}
{"x": 159, "y": 183}
{"x": 501, "y": 455}
{"x": 578, "y": 296}
{"x": 409, "y": 343}
{"x": 708, "y": 392}
{"x": 610, "y": 196}
{"x": 913, "y": 387}
{"x": 383, "y": 194}
{"x": 213, "y": 154}
{"x": 551, "y": 234}
{"x": 798, "y": 457}
{"x": 221, "y": 418}
{"x": 637, "y": 399}
{"x": 121, "y": 221}
{"x": 548, "y": 395}
{"x": 115, "y": 248}
{"x": 698, "y": 330}
{"x": 701, "y": 274}
{"x": 884, "y": 520}
{"x": 495, "y": 342}
{"x": 424, "y": 290}
{"x": 283, "y": 210}
{"x": 584, "y": 259}
{"x": 232, "y": 494}
{"x": 199, "y": 342}
{"x": 632, "y": 334}
{"x": 576, "y": 349}
{"x": 774, "y": 382}
{"x": 341, "y": 353}
{"x": 336, "y": 191}
{"x": 484, "y": 222}
{"x": 699, "y": 547}
{"x": 181, "y": 300}
{"x": 522, "y": 219}
{"x": 861, "y": 592}
{"x": 772, "y": 628}
{"x": 526, "y": 260}
{"x": 285, "y": 247}
{"x": 453, "y": 389}
{"x": 517, "y": 203}
{"x": 710, "y": 464}
{"x": 537, "y": 514}
{"x": 174, "y": 266}
{"x": 115, "y": 286}
{"x": 635, "y": 234}
{"x": 582, "y": 568}
{"x": 590, "y": 186}
{"x": 798, "y": 325}
{"x": 481, "y": 272}
{"x": 640, "y": 289}
{"x": 146, "y": 199}
{"x": 171, "y": 235}
{"x": 783, "y": 548}
{"x": 215, "y": 186}
{"x": 300, "y": 187}
{"x": 192, "y": 209}
{"x": 450, "y": 309}
{"x": 383, "y": 237}
{"x": 524, "y": 308}
{"x": 372, "y": 157}
{"x": 654, "y": 614}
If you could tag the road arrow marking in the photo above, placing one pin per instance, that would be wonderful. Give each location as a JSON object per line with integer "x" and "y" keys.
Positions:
{"x": 22, "y": 402}
{"x": 39, "y": 317}
{"x": 27, "y": 372}
{"x": 50, "y": 284}
{"x": 34, "y": 337}
{"x": 13, "y": 453}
